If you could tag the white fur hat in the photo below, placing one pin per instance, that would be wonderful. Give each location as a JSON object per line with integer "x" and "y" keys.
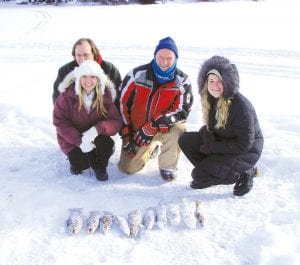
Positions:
{"x": 92, "y": 68}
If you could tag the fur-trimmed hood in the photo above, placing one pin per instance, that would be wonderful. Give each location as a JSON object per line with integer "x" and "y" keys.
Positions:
{"x": 227, "y": 70}
{"x": 88, "y": 68}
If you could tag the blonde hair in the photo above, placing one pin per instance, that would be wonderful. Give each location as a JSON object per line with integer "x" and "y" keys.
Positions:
{"x": 223, "y": 106}
{"x": 97, "y": 101}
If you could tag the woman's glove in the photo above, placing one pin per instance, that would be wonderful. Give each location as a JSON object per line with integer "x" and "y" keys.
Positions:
{"x": 129, "y": 149}
{"x": 89, "y": 135}
{"x": 145, "y": 134}
{"x": 208, "y": 140}
{"x": 207, "y": 136}
{"x": 86, "y": 146}
{"x": 206, "y": 149}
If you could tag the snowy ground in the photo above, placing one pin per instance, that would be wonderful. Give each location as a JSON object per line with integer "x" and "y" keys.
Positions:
{"x": 36, "y": 188}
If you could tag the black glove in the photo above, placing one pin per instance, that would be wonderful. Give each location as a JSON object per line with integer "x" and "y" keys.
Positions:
{"x": 206, "y": 149}
{"x": 145, "y": 134}
{"x": 129, "y": 149}
{"x": 164, "y": 123}
{"x": 207, "y": 136}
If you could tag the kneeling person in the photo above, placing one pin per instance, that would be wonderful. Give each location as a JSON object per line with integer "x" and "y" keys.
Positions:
{"x": 86, "y": 117}
{"x": 155, "y": 101}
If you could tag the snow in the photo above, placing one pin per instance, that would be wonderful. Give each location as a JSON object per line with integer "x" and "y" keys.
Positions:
{"x": 37, "y": 190}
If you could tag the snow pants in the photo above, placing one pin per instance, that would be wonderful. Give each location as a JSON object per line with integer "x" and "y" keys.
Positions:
{"x": 97, "y": 158}
{"x": 169, "y": 152}
{"x": 217, "y": 168}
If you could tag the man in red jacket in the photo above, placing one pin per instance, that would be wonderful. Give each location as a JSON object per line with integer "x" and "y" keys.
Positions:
{"x": 155, "y": 101}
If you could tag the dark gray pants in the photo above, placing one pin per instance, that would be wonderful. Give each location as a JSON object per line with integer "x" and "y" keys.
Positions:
{"x": 214, "y": 169}
{"x": 97, "y": 158}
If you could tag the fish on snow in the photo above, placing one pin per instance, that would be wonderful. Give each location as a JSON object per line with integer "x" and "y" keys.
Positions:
{"x": 93, "y": 221}
{"x": 106, "y": 220}
{"x": 161, "y": 215}
{"x": 135, "y": 222}
{"x": 123, "y": 224}
{"x": 149, "y": 218}
{"x": 75, "y": 220}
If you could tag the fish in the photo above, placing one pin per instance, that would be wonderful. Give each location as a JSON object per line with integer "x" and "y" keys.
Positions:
{"x": 93, "y": 221}
{"x": 188, "y": 214}
{"x": 198, "y": 214}
{"x": 173, "y": 213}
{"x": 161, "y": 215}
{"x": 106, "y": 220}
{"x": 149, "y": 218}
{"x": 75, "y": 220}
{"x": 123, "y": 224}
{"x": 134, "y": 221}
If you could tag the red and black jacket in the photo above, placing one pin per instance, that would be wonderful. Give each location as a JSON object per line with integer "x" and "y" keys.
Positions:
{"x": 143, "y": 99}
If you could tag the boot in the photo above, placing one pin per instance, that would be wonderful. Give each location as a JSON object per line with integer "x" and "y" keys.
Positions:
{"x": 209, "y": 181}
{"x": 199, "y": 185}
{"x": 101, "y": 174}
{"x": 202, "y": 180}
{"x": 168, "y": 174}
{"x": 75, "y": 171}
{"x": 245, "y": 182}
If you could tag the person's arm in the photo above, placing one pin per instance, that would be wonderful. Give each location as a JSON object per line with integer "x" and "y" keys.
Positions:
{"x": 127, "y": 92}
{"x": 57, "y": 81}
{"x": 112, "y": 123}
{"x": 62, "y": 72}
{"x": 62, "y": 121}
{"x": 180, "y": 109}
{"x": 114, "y": 75}
{"x": 242, "y": 129}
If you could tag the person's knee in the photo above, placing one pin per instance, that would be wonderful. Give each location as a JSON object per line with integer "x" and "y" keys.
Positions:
{"x": 104, "y": 140}
{"x": 129, "y": 168}
{"x": 78, "y": 159}
{"x": 178, "y": 128}
{"x": 182, "y": 141}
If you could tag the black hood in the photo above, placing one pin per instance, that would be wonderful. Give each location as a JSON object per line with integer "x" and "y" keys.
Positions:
{"x": 227, "y": 70}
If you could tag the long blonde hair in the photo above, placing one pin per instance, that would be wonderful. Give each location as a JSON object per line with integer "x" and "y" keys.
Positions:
{"x": 97, "y": 101}
{"x": 223, "y": 106}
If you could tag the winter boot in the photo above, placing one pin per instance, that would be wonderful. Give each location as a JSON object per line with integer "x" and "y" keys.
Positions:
{"x": 200, "y": 185}
{"x": 201, "y": 180}
{"x": 101, "y": 174}
{"x": 75, "y": 171}
{"x": 245, "y": 182}
{"x": 168, "y": 174}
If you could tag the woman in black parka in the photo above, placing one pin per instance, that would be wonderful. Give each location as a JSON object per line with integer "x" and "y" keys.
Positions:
{"x": 227, "y": 147}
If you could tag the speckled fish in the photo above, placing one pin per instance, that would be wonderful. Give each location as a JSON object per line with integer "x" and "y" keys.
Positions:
{"x": 161, "y": 215}
{"x": 188, "y": 214}
{"x": 173, "y": 213}
{"x": 123, "y": 224}
{"x": 106, "y": 220}
{"x": 149, "y": 218}
{"x": 198, "y": 214}
{"x": 93, "y": 221}
{"x": 135, "y": 220}
{"x": 75, "y": 221}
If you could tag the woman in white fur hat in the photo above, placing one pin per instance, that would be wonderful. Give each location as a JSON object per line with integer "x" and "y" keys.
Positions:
{"x": 85, "y": 118}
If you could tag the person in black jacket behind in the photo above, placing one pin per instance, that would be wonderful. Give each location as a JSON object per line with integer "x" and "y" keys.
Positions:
{"x": 85, "y": 49}
{"x": 227, "y": 147}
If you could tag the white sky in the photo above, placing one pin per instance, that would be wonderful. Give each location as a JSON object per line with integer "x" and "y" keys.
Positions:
{"x": 36, "y": 188}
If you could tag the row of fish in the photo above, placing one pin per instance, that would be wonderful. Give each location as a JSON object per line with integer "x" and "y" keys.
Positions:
{"x": 188, "y": 212}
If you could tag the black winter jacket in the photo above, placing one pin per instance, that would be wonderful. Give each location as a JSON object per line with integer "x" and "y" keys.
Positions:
{"x": 239, "y": 145}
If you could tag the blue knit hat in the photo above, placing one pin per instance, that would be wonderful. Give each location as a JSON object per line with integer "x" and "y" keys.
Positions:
{"x": 167, "y": 43}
